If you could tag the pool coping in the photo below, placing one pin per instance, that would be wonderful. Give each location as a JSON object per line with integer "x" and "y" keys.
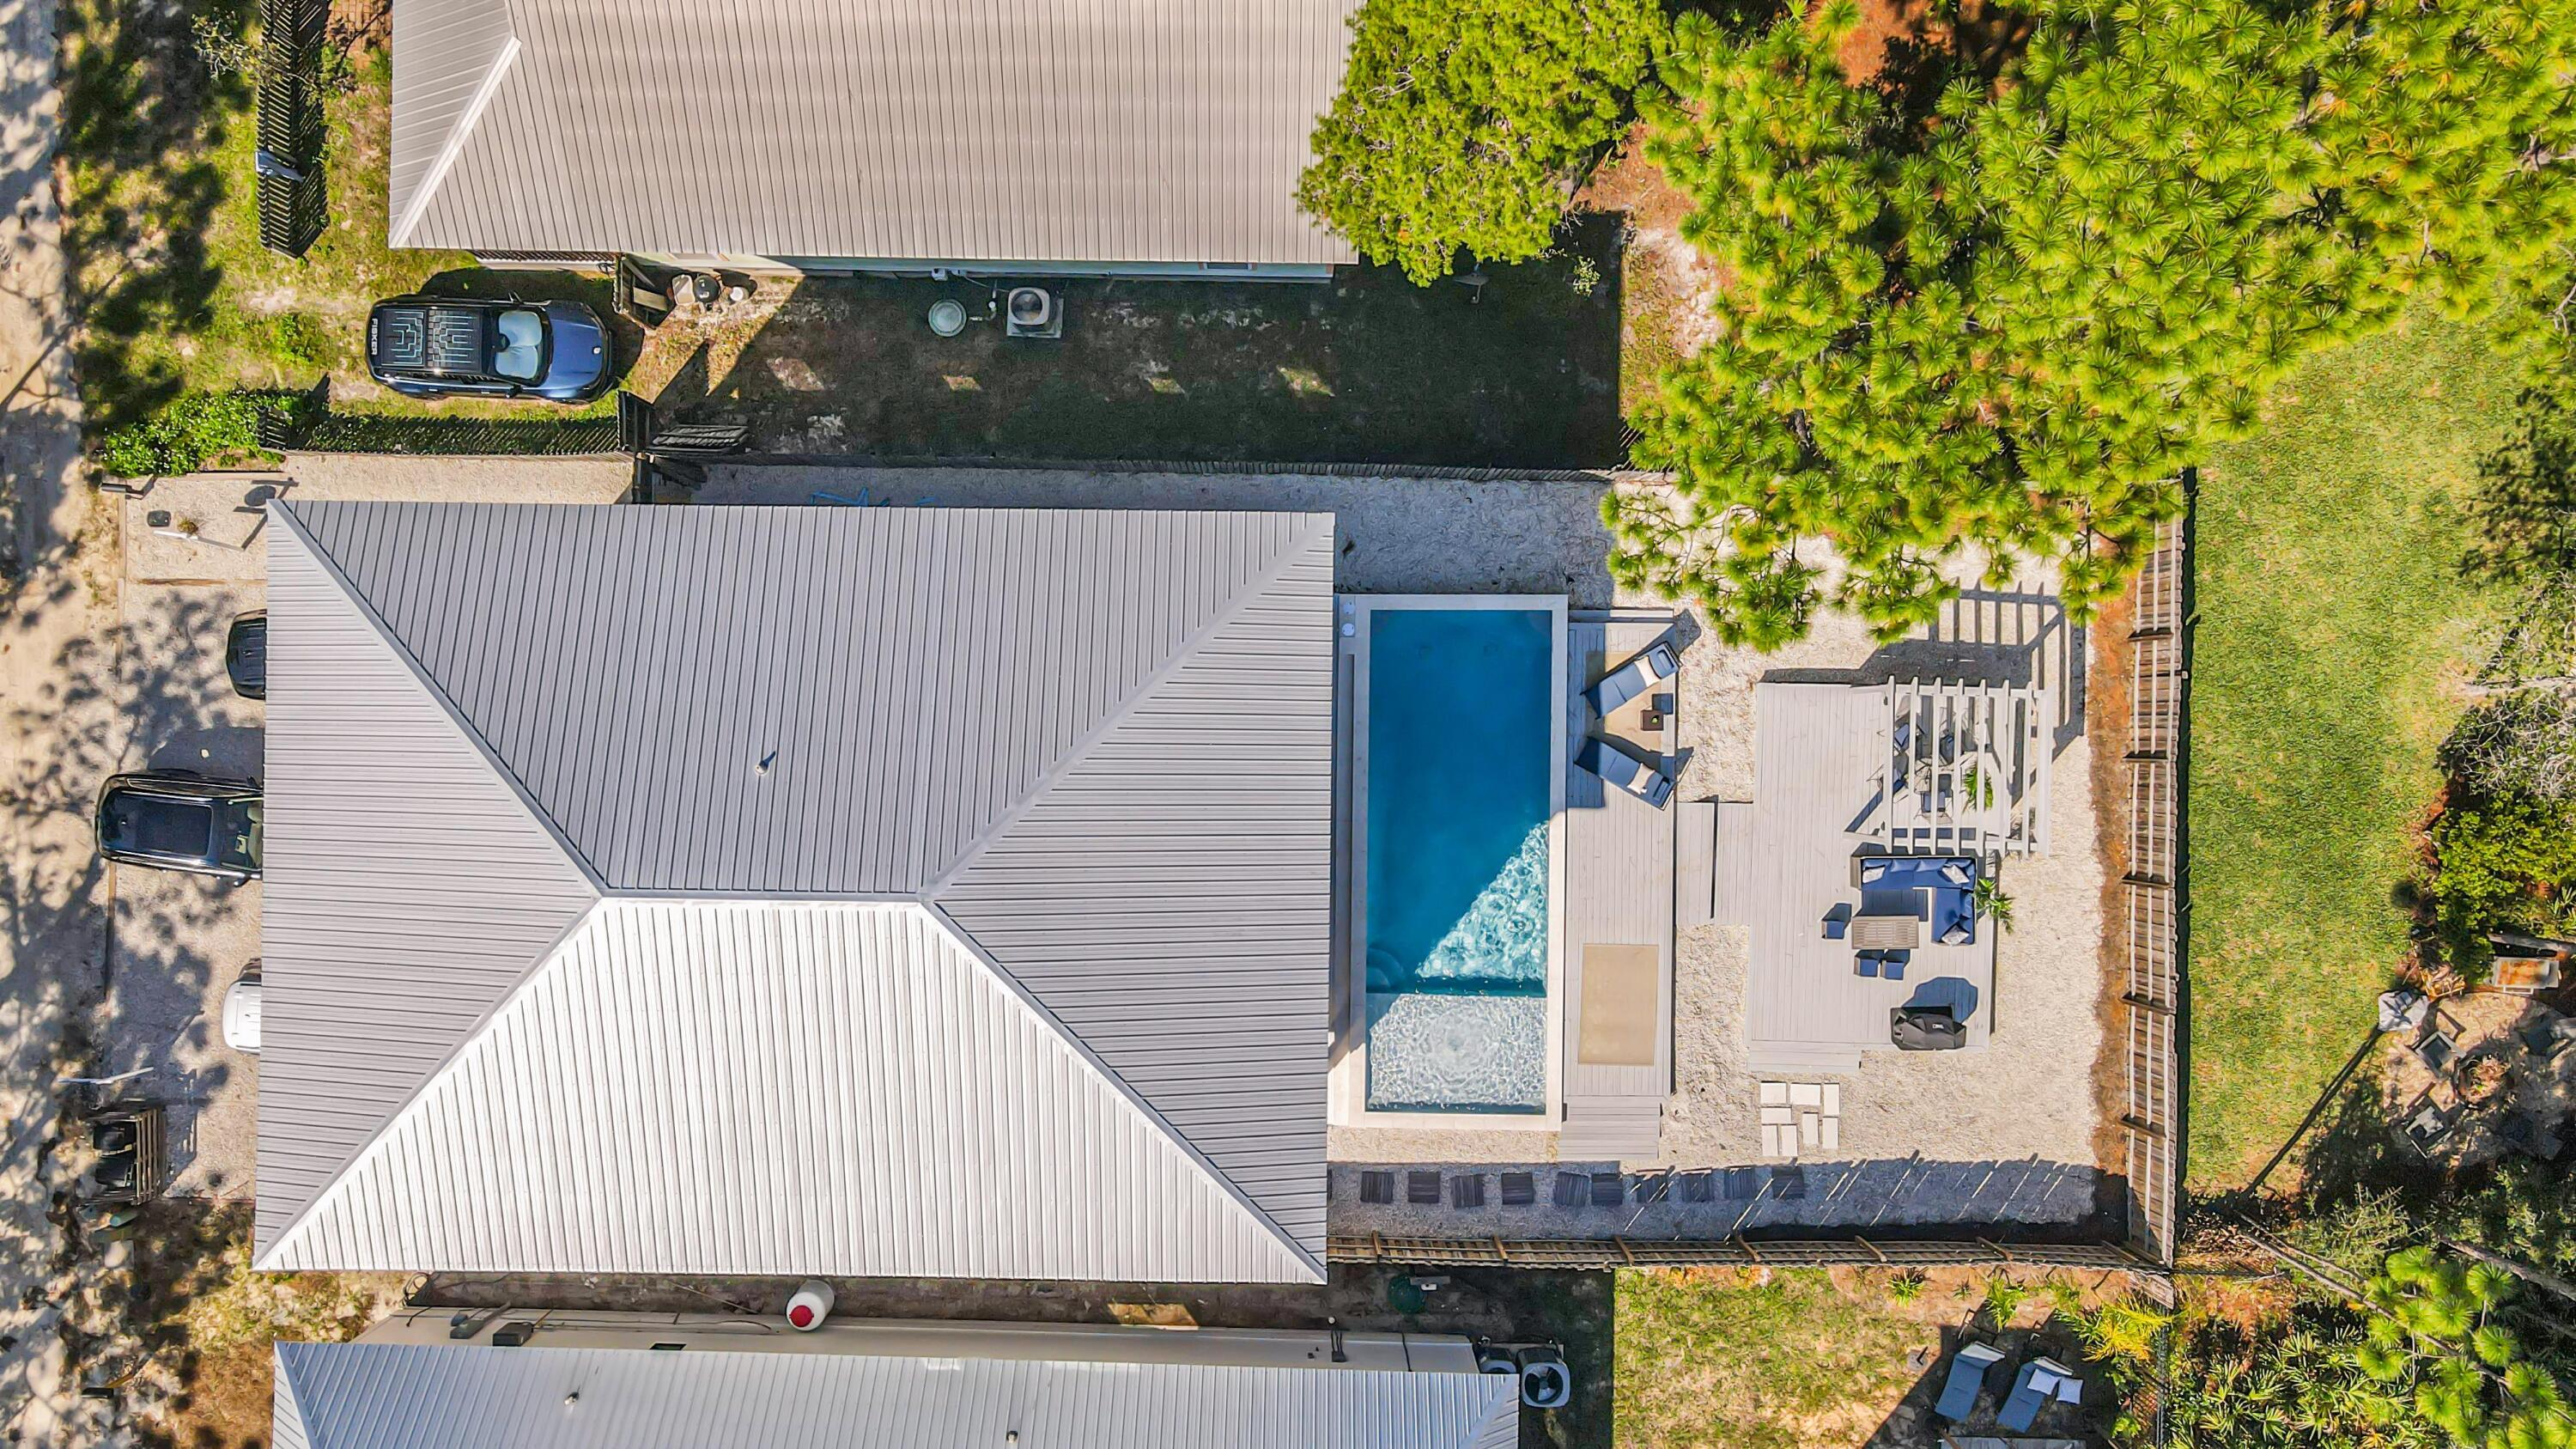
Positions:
{"x": 1347, "y": 1090}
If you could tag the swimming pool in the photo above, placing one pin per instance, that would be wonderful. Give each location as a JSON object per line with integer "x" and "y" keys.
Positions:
{"x": 1460, "y": 785}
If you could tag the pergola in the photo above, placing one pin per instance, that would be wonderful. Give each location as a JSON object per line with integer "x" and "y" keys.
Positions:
{"x": 1966, "y": 769}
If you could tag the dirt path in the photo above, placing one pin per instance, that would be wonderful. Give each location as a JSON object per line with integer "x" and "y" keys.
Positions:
{"x": 57, "y": 618}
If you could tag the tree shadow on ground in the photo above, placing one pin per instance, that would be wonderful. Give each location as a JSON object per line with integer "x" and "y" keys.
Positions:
{"x": 1520, "y": 372}
{"x": 2522, "y": 519}
{"x": 142, "y": 120}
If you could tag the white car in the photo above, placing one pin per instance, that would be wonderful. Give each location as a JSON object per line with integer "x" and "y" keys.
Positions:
{"x": 241, "y": 1012}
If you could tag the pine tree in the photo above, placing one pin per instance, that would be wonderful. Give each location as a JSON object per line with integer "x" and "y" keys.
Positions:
{"x": 1461, "y": 123}
{"x": 2002, "y": 329}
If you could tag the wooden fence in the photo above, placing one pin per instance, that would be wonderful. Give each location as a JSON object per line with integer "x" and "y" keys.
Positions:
{"x": 1854, "y": 1252}
{"x": 2155, "y": 887}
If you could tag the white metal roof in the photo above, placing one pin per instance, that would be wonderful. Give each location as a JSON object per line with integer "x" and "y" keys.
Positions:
{"x": 484, "y": 721}
{"x": 416, "y": 1396}
{"x": 990, "y": 130}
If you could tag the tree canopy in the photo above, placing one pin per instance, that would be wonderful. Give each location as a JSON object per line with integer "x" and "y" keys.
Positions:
{"x": 1461, "y": 123}
{"x": 2002, "y": 327}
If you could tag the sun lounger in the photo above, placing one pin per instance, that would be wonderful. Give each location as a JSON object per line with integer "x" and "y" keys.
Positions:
{"x": 1617, "y": 767}
{"x": 2039, "y": 1381}
{"x": 1969, "y": 1369}
{"x": 1632, "y": 679}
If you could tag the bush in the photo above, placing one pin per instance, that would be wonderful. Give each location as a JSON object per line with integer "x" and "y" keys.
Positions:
{"x": 183, "y": 434}
{"x": 1461, "y": 123}
{"x": 2504, "y": 862}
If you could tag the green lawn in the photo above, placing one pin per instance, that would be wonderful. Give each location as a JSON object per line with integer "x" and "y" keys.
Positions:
{"x": 1716, "y": 1360}
{"x": 176, "y": 293}
{"x": 2334, "y": 619}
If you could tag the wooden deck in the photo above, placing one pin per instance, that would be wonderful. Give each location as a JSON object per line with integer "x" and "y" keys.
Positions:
{"x": 1618, "y": 900}
{"x": 1784, "y": 860}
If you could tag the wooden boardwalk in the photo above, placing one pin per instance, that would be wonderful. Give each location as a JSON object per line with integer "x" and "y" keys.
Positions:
{"x": 1786, "y": 859}
{"x": 1617, "y": 898}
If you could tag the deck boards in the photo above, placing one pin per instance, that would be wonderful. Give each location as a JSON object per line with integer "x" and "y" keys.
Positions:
{"x": 1618, "y": 885}
{"x": 1786, "y": 859}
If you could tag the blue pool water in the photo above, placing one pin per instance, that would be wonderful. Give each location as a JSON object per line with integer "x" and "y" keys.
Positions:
{"x": 1460, "y": 736}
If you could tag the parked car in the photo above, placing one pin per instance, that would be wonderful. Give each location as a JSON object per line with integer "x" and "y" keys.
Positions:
{"x": 467, "y": 347}
{"x": 181, "y": 820}
{"x": 246, "y": 655}
{"x": 241, "y": 1012}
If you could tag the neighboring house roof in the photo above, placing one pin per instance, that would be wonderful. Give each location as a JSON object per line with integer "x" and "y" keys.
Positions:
{"x": 413, "y": 1396}
{"x": 624, "y": 864}
{"x": 983, "y": 130}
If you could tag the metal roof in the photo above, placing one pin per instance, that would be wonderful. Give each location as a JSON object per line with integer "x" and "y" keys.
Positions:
{"x": 983, "y": 130}
{"x": 408, "y": 891}
{"x": 1094, "y": 748}
{"x": 749, "y": 1087}
{"x": 416, "y": 1396}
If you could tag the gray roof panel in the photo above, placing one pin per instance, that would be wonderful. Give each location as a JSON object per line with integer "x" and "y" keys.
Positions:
{"x": 907, "y": 675}
{"x": 794, "y": 1087}
{"x": 983, "y": 130}
{"x": 408, "y": 889}
{"x": 1168, "y": 898}
{"x": 433, "y": 1396}
{"x": 1098, "y": 743}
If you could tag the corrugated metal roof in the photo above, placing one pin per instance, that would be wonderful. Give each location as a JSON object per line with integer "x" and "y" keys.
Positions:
{"x": 408, "y": 889}
{"x": 1100, "y": 741}
{"x": 1169, "y": 896}
{"x": 777, "y": 1088}
{"x": 414, "y": 1396}
{"x": 982, "y": 130}
{"x": 908, "y": 675}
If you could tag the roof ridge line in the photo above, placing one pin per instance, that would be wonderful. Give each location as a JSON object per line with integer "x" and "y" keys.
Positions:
{"x": 472, "y": 1035}
{"x": 453, "y": 144}
{"x": 1118, "y": 1084}
{"x": 1080, "y": 750}
{"x": 447, "y": 705}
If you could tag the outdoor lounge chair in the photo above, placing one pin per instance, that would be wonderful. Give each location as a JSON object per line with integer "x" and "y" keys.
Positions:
{"x": 2429, "y": 1125}
{"x": 1632, "y": 679}
{"x": 2039, "y": 1381}
{"x": 1970, "y": 1367}
{"x": 2437, "y": 1052}
{"x": 1617, "y": 767}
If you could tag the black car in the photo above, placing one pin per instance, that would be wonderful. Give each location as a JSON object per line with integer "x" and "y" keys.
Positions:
{"x": 464, "y": 347}
{"x": 246, "y": 655}
{"x": 181, "y": 820}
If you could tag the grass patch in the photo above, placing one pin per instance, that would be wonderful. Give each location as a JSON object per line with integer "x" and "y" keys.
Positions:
{"x": 2334, "y": 620}
{"x": 174, "y": 293}
{"x": 1720, "y": 1358}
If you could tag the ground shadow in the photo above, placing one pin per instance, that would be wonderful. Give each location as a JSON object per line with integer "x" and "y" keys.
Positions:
{"x": 2522, "y": 518}
{"x": 1912, "y": 1424}
{"x": 1505, "y": 1305}
{"x": 143, "y": 119}
{"x": 1518, "y": 372}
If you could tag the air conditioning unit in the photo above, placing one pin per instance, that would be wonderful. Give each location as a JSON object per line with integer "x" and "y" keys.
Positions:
{"x": 1032, "y": 312}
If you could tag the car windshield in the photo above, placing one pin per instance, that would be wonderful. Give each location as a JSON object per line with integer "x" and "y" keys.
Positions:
{"x": 523, "y": 336}
{"x": 148, "y": 825}
{"x": 238, "y": 847}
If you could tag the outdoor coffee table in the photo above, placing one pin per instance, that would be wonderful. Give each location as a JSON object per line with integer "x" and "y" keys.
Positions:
{"x": 1886, "y": 933}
